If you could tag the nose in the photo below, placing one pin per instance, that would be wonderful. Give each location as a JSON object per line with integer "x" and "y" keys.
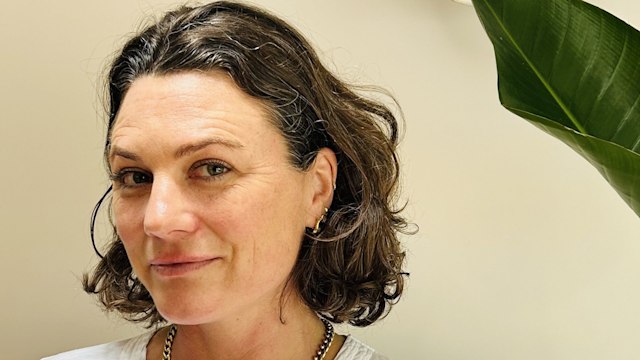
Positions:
{"x": 168, "y": 214}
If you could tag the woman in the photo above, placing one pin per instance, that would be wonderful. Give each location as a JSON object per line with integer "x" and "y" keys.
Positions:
{"x": 253, "y": 195}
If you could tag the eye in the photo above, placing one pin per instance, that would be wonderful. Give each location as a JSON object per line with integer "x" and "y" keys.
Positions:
{"x": 210, "y": 169}
{"x": 131, "y": 178}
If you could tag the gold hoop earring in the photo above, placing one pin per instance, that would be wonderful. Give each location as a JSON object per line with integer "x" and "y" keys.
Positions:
{"x": 321, "y": 220}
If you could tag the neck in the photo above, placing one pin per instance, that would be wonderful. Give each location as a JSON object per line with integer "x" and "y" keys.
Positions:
{"x": 279, "y": 333}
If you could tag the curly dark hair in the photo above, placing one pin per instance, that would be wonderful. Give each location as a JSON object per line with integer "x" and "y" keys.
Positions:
{"x": 353, "y": 270}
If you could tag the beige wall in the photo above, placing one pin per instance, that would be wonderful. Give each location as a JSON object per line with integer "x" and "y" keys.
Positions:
{"x": 524, "y": 251}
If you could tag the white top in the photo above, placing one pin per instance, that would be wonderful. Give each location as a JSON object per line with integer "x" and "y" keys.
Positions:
{"x": 136, "y": 349}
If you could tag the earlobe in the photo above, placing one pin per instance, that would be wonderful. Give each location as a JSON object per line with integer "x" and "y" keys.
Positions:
{"x": 324, "y": 172}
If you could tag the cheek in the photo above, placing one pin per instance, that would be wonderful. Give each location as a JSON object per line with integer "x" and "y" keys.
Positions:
{"x": 267, "y": 228}
{"x": 128, "y": 219}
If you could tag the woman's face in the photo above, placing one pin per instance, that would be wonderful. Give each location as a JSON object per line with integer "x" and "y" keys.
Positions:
{"x": 206, "y": 202}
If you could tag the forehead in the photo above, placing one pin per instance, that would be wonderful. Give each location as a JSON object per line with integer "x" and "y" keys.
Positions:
{"x": 188, "y": 106}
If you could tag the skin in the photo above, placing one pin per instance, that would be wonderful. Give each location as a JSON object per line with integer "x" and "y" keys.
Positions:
{"x": 212, "y": 215}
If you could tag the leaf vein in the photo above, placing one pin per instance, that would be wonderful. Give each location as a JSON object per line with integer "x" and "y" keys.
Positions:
{"x": 542, "y": 79}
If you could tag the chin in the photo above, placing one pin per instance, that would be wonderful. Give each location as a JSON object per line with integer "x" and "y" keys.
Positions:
{"x": 187, "y": 310}
{"x": 187, "y": 316}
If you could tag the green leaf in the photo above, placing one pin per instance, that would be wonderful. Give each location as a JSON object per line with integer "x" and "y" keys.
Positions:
{"x": 572, "y": 70}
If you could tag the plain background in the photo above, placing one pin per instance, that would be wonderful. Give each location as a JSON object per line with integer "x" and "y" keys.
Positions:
{"x": 524, "y": 251}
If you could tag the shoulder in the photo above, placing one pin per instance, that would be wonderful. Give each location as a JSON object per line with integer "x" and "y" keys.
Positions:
{"x": 134, "y": 349}
{"x": 354, "y": 349}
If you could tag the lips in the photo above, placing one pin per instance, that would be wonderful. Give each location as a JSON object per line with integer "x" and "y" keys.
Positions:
{"x": 179, "y": 267}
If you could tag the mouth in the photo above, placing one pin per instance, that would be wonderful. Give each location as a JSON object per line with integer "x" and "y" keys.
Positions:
{"x": 179, "y": 268}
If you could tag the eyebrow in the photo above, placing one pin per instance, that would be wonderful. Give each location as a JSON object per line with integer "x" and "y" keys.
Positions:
{"x": 188, "y": 149}
{"x": 182, "y": 151}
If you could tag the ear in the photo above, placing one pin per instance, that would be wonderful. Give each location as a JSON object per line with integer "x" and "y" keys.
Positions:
{"x": 322, "y": 178}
